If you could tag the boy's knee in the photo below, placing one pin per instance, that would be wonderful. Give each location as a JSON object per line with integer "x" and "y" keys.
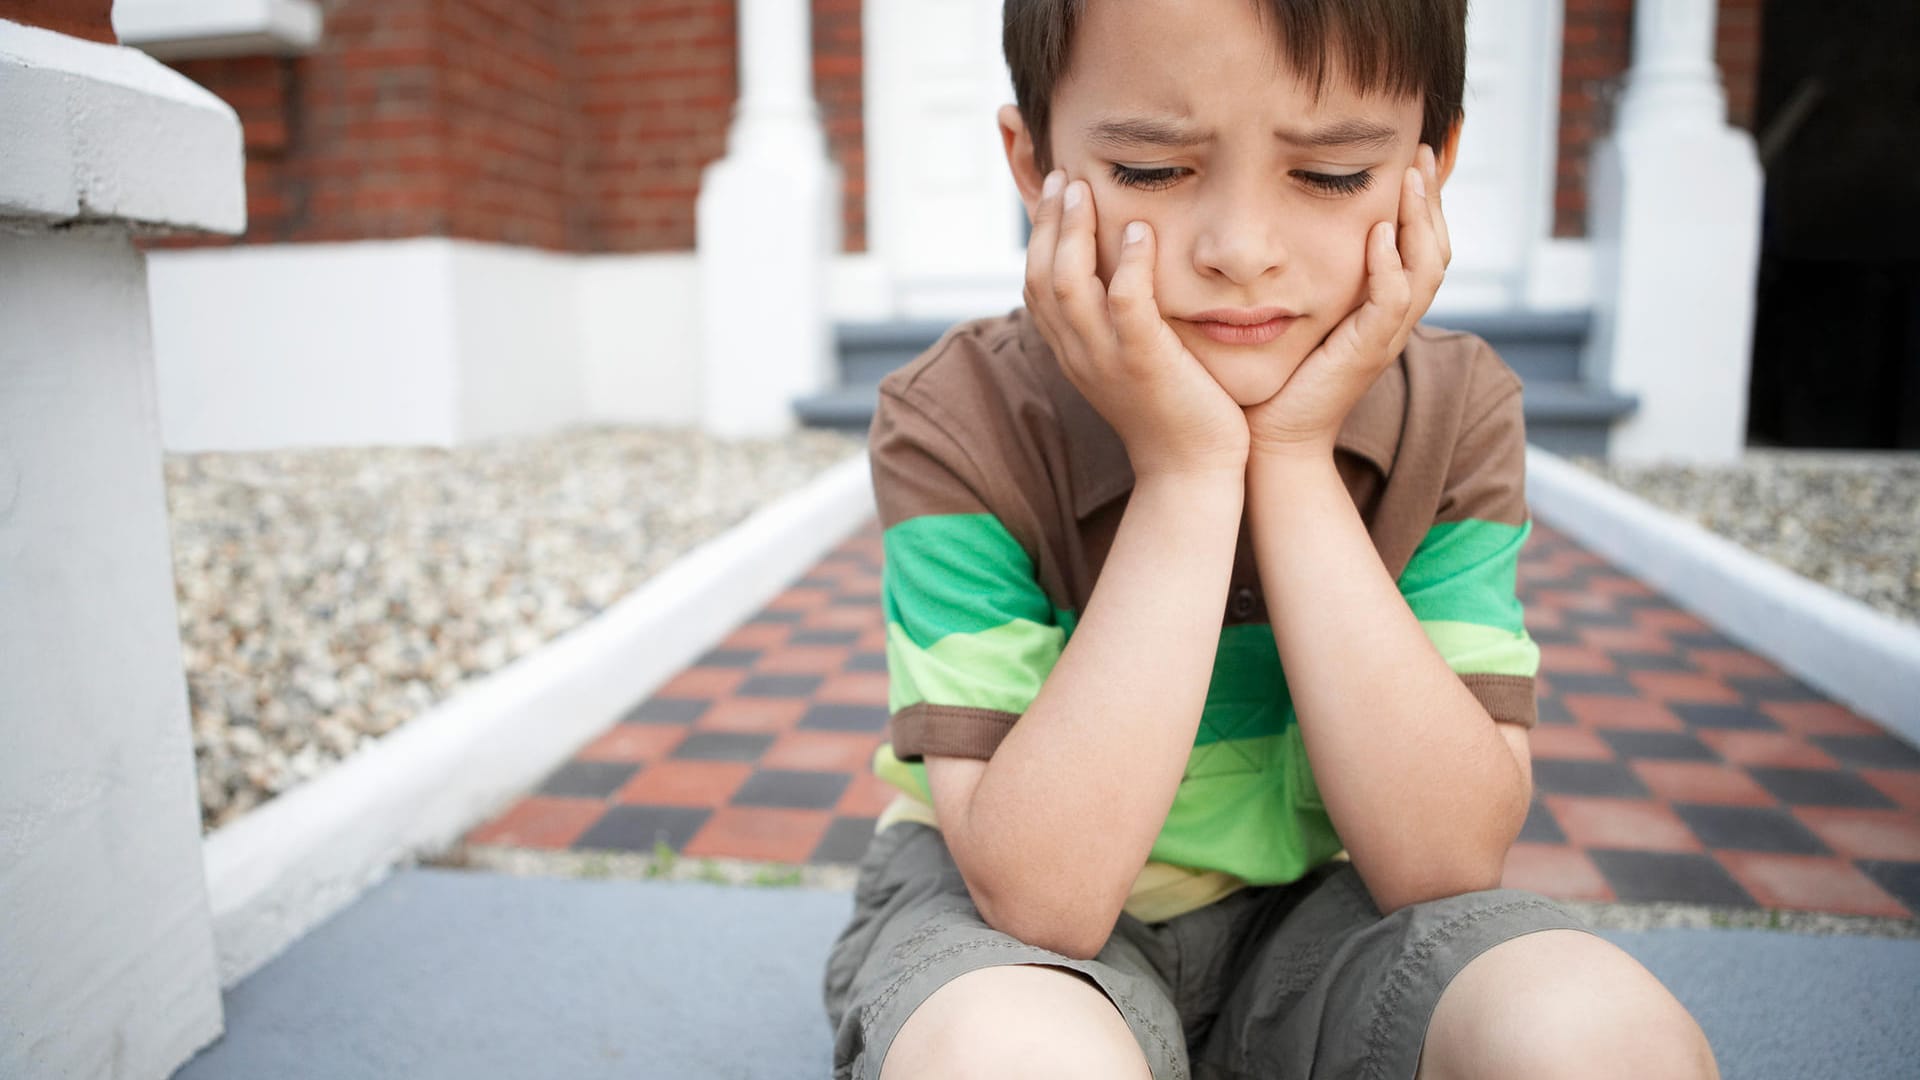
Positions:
{"x": 1562, "y": 1004}
{"x": 1015, "y": 1021}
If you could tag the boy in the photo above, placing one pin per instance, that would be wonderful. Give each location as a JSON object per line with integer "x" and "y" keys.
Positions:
{"x": 1127, "y": 844}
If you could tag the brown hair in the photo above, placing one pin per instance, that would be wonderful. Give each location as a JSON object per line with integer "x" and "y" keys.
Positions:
{"x": 1402, "y": 48}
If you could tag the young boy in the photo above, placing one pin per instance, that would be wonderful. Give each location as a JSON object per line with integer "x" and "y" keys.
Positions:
{"x": 1210, "y": 691}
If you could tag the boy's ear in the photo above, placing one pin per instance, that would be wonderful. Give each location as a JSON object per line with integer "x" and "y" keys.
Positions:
{"x": 1447, "y": 152}
{"x": 1018, "y": 143}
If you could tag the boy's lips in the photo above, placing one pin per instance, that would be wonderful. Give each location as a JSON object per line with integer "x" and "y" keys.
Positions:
{"x": 1244, "y": 326}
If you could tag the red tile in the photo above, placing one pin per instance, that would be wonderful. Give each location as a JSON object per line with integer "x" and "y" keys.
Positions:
{"x": 1866, "y": 834}
{"x": 540, "y": 821}
{"x": 633, "y": 742}
{"x": 758, "y": 715}
{"x": 1626, "y": 640}
{"x": 738, "y": 832}
{"x": 807, "y": 599}
{"x": 873, "y": 640}
{"x": 1607, "y": 711}
{"x": 1683, "y": 686}
{"x": 757, "y": 636}
{"x": 1554, "y": 870}
{"x": 685, "y": 783}
{"x": 1574, "y": 658}
{"x": 1900, "y": 785}
{"x": 1725, "y": 662}
{"x": 860, "y": 617}
{"x": 1619, "y": 585}
{"x": 1809, "y": 883}
{"x": 1635, "y": 824}
{"x": 1568, "y": 743}
{"x": 829, "y": 751}
{"x": 703, "y": 682}
{"x": 1542, "y": 618}
{"x": 1767, "y": 748}
{"x": 1701, "y": 782}
{"x": 866, "y": 796}
{"x": 1819, "y": 718}
{"x": 856, "y": 688}
{"x": 1669, "y": 620}
{"x": 803, "y": 660}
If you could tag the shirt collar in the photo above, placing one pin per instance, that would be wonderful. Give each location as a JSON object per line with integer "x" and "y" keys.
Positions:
{"x": 1097, "y": 459}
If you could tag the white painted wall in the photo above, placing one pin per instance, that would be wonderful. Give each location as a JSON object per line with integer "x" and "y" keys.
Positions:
{"x": 516, "y": 341}
{"x": 639, "y": 343}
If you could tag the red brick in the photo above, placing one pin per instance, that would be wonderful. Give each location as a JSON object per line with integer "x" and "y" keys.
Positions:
{"x": 685, "y": 783}
{"x": 1770, "y": 749}
{"x": 1809, "y": 883}
{"x": 633, "y": 742}
{"x": 753, "y": 715}
{"x": 1556, "y": 871}
{"x": 824, "y": 751}
{"x": 540, "y": 822}
{"x": 1604, "y": 711}
{"x": 1701, "y": 782}
{"x": 1866, "y": 834}
{"x": 737, "y": 832}
{"x": 1632, "y": 824}
{"x": 1565, "y": 743}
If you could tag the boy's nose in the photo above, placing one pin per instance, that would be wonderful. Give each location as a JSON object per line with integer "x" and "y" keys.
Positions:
{"x": 1239, "y": 239}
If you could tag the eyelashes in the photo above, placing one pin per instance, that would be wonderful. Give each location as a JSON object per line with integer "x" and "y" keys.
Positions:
{"x": 1161, "y": 178}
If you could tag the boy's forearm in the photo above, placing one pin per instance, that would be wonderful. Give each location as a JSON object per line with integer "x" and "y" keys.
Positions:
{"x": 1421, "y": 787}
{"x": 1072, "y": 800}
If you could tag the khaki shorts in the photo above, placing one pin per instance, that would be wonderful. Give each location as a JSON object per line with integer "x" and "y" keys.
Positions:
{"x": 1300, "y": 980}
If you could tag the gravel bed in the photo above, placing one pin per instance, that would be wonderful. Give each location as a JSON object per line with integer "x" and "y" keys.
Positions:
{"x": 1850, "y": 521}
{"x": 327, "y": 596}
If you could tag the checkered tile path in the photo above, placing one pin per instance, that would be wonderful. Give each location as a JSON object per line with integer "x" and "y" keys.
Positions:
{"x": 1669, "y": 763}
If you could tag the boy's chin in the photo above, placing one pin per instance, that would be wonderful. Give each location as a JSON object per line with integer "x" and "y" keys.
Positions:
{"x": 1249, "y": 377}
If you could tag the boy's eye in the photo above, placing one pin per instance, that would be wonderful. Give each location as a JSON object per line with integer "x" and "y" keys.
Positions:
{"x": 1339, "y": 184}
{"x": 1146, "y": 179}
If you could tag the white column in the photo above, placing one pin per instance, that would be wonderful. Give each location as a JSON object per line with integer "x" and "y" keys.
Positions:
{"x": 106, "y": 941}
{"x": 768, "y": 223}
{"x": 1675, "y": 216}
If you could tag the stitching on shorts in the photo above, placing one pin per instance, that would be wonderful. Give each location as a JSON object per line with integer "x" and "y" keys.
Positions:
{"x": 869, "y": 1011}
{"x": 1400, "y": 979}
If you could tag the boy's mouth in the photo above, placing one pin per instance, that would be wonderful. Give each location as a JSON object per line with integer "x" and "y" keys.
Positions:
{"x": 1244, "y": 326}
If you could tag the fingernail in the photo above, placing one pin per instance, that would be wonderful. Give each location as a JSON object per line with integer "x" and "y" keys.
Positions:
{"x": 1052, "y": 186}
{"x": 1136, "y": 231}
{"x": 1074, "y": 195}
{"x": 1419, "y": 184}
{"x": 1392, "y": 239}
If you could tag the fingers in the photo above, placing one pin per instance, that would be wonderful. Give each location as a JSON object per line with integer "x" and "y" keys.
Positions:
{"x": 1076, "y": 290}
{"x": 1136, "y": 318}
{"x": 1389, "y": 294}
{"x": 1430, "y": 169}
{"x": 1040, "y": 252}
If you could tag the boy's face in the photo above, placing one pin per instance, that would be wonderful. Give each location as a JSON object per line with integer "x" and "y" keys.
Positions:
{"x": 1182, "y": 114}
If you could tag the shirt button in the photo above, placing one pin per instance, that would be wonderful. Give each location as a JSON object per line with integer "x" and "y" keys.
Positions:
{"x": 1243, "y": 602}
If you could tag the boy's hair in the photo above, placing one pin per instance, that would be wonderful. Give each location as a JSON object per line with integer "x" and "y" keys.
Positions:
{"x": 1402, "y": 48}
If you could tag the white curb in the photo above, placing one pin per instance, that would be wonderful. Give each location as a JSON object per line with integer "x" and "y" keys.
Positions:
{"x": 1861, "y": 658}
{"x": 287, "y": 866}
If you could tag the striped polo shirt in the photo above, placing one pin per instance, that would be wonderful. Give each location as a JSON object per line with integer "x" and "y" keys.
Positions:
{"x": 1000, "y": 490}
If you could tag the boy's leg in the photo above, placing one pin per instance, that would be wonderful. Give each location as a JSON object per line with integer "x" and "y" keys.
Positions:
{"x": 1021, "y": 1020}
{"x": 1561, "y": 1003}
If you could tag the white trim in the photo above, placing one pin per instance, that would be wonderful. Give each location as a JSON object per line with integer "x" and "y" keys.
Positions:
{"x": 191, "y": 29}
{"x": 1560, "y": 276}
{"x": 1856, "y": 655}
{"x": 95, "y": 132}
{"x": 286, "y": 867}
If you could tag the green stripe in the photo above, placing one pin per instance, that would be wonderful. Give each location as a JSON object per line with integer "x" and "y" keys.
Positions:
{"x": 957, "y": 574}
{"x": 1464, "y": 571}
{"x": 1472, "y": 649}
{"x": 999, "y": 668}
{"x": 1247, "y": 697}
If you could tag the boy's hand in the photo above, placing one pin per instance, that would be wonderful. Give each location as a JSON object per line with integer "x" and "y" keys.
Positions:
{"x": 1115, "y": 347}
{"x": 1305, "y": 415}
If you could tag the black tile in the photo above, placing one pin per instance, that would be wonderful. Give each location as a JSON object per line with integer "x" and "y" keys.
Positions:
{"x": 1647, "y": 661}
{"x": 779, "y": 686}
{"x": 1580, "y": 682}
{"x": 845, "y": 718}
{"x": 1553, "y": 710}
{"x": 780, "y": 617}
{"x": 1702, "y": 639}
{"x": 856, "y": 600}
{"x": 722, "y": 746}
{"x": 867, "y": 661}
{"x": 1739, "y": 717}
{"x": 1902, "y": 879}
{"x": 1576, "y": 617}
{"x": 846, "y": 841}
{"x": 811, "y": 582}
{"x": 588, "y": 779}
{"x": 792, "y": 789}
{"x": 809, "y": 636}
{"x": 666, "y": 710}
{"x": 1540, "y": 827}
{"x": 1551, "y": 635}
{"x": 640, "y": 828}
{"x": 1663, "y": 745}
{"x": 1643, "y": 602}
{"x": 1587, "y": 778}
{"x": 1819, "y": 787}
{"x": 1773, "y": 688}
{"x": 1869, "y": 751}
{"x": 1672, "y": 876}
{"x": 1750, "y": 828}
{"x": 728, "y": 658}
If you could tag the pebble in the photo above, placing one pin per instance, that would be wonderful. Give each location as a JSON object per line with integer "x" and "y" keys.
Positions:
{"x": 328, "y": 596}
{"x": 1848, "y": 520}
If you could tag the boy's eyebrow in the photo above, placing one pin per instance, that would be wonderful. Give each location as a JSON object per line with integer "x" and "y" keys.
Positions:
{"x": 1352, "y": 132}
{"x": 1140, "y": 131}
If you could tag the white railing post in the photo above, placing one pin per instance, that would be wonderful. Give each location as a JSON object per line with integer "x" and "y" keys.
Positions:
{"x": 1675, "y": 218}
{"x": 768, "y": 222}
{"x": 105, "y": 930}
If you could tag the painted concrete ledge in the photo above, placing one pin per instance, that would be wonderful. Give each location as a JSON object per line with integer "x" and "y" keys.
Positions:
{"x": 1847, "y": 650}
{"x": 287, "y": 866}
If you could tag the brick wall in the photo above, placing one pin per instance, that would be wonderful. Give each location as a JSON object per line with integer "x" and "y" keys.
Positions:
{"x": 89, "y": 19}
{"x": 1596, "y": 47}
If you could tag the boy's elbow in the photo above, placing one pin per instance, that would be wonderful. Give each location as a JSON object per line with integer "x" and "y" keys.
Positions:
{"x": 1436, "y": 882}
{"x": 1077, "y": 931}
